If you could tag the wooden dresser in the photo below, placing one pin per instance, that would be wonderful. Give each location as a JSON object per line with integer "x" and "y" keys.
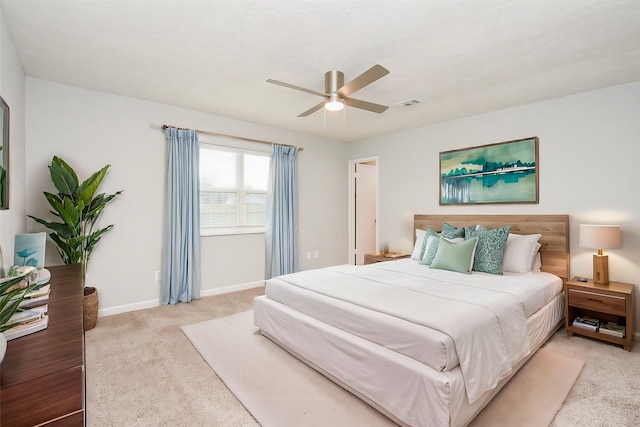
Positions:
{"x": 42, "y": 375}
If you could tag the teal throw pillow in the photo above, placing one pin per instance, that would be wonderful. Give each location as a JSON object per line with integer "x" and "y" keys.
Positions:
{"x": 428, "y": 232}
{"x": 468, "y": 229}
{"x": 455, "y": 256}
{"x": 430, "y": 251}
{"x": 490, "y": 249}
{"x": 451, "y": 232}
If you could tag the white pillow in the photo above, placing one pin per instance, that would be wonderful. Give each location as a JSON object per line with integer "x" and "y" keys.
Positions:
{"x": 537, "y": 262}
{"x": 520, "y": 252}
{"x": 417, "y": 248}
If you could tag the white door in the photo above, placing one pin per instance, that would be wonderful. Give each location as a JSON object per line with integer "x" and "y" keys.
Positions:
{"x": 366, "y": 188}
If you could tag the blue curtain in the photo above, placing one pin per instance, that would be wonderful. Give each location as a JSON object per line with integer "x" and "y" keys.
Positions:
{"x": 181, "y": 252}
{"x": 282, "y": 212}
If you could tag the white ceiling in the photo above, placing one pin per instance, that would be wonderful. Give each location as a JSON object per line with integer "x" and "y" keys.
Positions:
{"x": 460, "y": 57}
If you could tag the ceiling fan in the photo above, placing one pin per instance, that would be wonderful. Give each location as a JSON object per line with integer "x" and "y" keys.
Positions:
{"x": 337, "y": 93}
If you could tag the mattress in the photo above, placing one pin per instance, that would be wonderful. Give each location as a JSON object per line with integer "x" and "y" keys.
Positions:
{"x": 407, "y": 391}
{"x": 425, "y": 314}
{"x": 424, "y": 346}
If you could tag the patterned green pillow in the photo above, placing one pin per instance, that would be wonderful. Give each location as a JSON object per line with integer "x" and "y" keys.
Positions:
{"x": 430, "y": 252}
{"x": 451, "y": 232}
{"x": 428, "y": 232}
{"x": 468, "y": 229}
{"x": 490, "y": 249}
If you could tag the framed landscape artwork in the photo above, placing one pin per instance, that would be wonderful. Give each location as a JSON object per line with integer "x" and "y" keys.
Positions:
{"x": 504, "y": 172}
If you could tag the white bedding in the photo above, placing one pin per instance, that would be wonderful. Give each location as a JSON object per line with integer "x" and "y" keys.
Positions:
{"x": 417, "y": 312}
{"x": 409, "y": 392}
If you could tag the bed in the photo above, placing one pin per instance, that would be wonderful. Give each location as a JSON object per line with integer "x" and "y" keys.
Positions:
{"x": 428, "y": 345}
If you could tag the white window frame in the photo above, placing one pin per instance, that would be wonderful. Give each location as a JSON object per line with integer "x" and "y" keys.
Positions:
{"x": 239, "y": 190}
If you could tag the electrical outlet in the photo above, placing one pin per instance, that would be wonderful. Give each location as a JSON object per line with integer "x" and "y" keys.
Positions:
{"x": 317, "y": 254}
{"x": 308, "y": 255}
{"x": 157, "y": 277}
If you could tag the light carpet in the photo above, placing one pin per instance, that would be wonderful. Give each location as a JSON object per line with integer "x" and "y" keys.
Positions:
{"x": 280, "y": 391}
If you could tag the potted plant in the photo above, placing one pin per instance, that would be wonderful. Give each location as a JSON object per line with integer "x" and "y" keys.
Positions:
{"x": 77, "y": 208}
{"x": 12, "y": 292}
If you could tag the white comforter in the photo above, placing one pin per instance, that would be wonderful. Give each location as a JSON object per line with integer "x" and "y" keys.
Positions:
{"x": 408, "y": 307}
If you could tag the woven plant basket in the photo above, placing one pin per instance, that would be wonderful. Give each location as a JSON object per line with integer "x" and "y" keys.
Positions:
{"x": 90, "y": 307}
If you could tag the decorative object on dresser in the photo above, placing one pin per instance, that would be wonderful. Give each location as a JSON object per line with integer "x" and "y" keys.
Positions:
{"x": 12, "y": 292}
{"x": 29, "y": 250}
{"x": 600, "y": 237}
{"x": 78, "y": 207}
{"x": 604, "y": 312}
{"x": 42, "y": 377}
{"x": 31, "y": 311}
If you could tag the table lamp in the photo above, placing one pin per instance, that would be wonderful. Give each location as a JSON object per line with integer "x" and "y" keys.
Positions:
{"x": 600, "y": 237}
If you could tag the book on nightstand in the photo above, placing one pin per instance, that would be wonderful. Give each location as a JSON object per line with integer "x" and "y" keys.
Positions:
{"x": 585, "y": 322}
{"x": 394, "y": 255}
{"x": 613, "y": 329}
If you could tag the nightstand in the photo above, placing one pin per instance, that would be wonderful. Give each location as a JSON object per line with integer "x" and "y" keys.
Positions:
{"x": 373, "y": 258}
{"x": 610, "y": 303}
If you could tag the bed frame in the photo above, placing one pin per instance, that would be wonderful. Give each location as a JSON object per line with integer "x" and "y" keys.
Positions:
{"x": 554, "y": 252}
{"x": 554, "y": 257}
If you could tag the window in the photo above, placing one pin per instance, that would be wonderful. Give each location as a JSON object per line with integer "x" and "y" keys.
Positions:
{"x": 233, "y": 190}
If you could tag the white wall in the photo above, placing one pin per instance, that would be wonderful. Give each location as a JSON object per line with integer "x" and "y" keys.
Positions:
{"x": 12, "y": 82}
{"x": 589, "y": 169}
{"x": 90, "y": 129}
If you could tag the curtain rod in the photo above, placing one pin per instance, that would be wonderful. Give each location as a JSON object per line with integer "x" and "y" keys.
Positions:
{"x": 233, "y": 136}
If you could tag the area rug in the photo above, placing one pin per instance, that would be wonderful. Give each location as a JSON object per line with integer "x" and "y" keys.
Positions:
{"x": 280, "y": 391}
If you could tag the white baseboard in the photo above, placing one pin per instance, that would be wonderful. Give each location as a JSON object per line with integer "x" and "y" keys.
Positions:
{"x": 156, "y": 303}
{"x": 232, "y": 288}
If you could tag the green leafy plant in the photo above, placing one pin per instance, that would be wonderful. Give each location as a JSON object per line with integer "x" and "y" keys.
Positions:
{"x": 12, "y": 292}
{"x": 78, "y": 208}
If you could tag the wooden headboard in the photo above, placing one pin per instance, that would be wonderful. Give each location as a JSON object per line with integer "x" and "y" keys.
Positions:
{"x": 554, "y": 252}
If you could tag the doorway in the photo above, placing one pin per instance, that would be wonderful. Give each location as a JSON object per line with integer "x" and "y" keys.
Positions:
{"x": 363, "y": 209}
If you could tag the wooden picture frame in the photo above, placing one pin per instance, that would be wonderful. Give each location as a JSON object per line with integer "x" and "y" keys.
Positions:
{"x": 503, "y": 172}
{"x": 4, "y": 155}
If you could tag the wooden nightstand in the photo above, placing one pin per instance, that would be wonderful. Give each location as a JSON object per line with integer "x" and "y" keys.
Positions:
{"x": 373, "y": 258}
{"x": 611, "y": 303}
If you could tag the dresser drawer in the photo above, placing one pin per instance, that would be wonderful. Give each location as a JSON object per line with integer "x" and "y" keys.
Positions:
{"x": 597, "y": 302}
{"x": 54, "y": 396}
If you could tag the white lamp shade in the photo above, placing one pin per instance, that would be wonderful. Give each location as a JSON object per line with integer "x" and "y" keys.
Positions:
{"x": 599, "y": 236}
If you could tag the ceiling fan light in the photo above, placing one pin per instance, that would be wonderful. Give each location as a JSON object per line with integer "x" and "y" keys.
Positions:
{"x": 334, "y": 103}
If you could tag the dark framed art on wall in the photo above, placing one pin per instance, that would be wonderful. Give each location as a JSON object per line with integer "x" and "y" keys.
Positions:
{"x": 4, "y": 155}
{"x": 503, "y": 172}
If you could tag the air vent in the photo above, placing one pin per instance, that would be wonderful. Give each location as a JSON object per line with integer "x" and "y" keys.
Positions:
{"x": 408, "y": 103}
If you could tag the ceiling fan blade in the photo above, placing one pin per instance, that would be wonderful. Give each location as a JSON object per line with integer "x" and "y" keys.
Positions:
{"x": 290, "y": 86}
{"x": 312, "y": 110}
{"x": 365, "y": 105}
{"x": 371, "y": 75}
